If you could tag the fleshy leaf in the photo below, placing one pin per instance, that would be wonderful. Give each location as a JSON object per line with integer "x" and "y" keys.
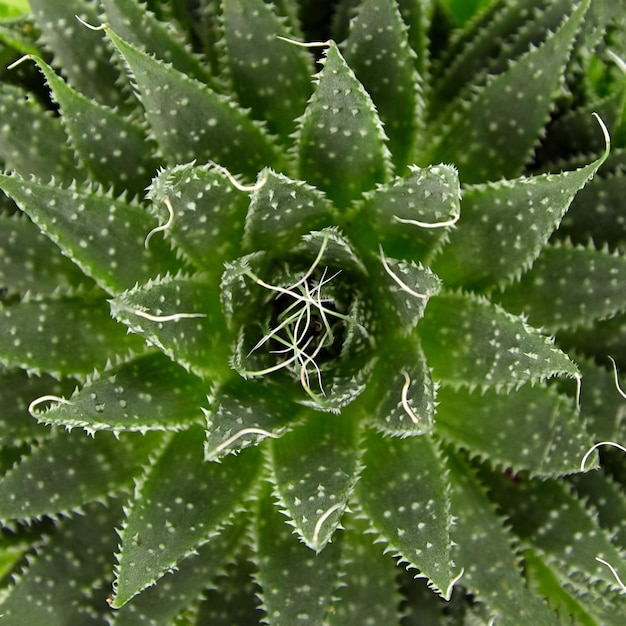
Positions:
{"x": 63, "y": 336}
{"x": 404, "y": 492}
{"x": 283, "y": 209}
{"x": 70, "y": 470}
{"x": 297, "y": 584}
{"x": 104, "y": 236}
{"x": 207, "y": 216}
{"x": 469, "y": 341}
{"x": 315, "y": 468}
{"x": 532, "y": 428}
{"x": 181, "y": 316}
{"x": 155, "y": 538}
{"x": 485, "y": 553}
{"x": 150, "y": 392}
{"x": 493, "y": 134}
{"x": 387, "y": 71}
{"x": 241, "y": 415}
{"x": 341, "y": 143}
{"x": 410, "y": 216}
{"x": 569, "y": 287}
{"x": 190, "y": 121}
{"x": 75, "y": 565}
{"x": 270, "y": 76}
{"x": 114, "y": 150}
{"x": 504, "y": 226}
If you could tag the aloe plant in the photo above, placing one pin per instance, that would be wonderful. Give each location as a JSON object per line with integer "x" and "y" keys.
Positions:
{"x": 307, "y": 311}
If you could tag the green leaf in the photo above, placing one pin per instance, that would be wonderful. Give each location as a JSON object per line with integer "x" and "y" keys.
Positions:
{"x": 10, "y": 9}
{"x": 369, "y": 593}
{"x": 505, "y": 224}
{"x": 484, "y": 551}
{"x": 139, "y": 27}
{"x": 149, "y": 392}
{"x": 104, "y": 236}
{"x": 190, "y": 121}
{"x": 155, "y": 538}
{"x": 569, "y": 287}
{"x": 493, "y": 134}
{"x": 32, "y": 141}
{"x": 63, "y": 336}
{"x": 206, "y": 214}
{"x": 181, "y": 316}
{"x": 177, "y": 590}
{"x": 404, "y": 492}
{"x": 315, "y": 468}
{"x": 69, "y": 470}
{"x": 386, "y": 69}
{"x": 533, "y": 428}
{"x": 418, "y": 16}
{"x": 29, "y": 261}
{"x": 298, "y": 584}
{"x": 64, "y": 583}
{"x": 242, "y": 414}
{"x": 471, "y": 342}
{"x": 81, "y": 53}
{"x": 341, "y": 142}
{"x": 270, "y": 76}
{"x": 282, "y": 210}
{"x": 115, "y": 150}
{"x": 410, "y": 216}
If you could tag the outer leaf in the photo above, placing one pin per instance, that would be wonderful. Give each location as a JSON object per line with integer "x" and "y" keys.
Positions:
{"x": 485, "y": 553}
{"x": 181, "y": 316}
{"x": 315, "y": 468}
{"x": 207, "y": 216}
{"x": 428, "y": 196}
{"x": 386, "y": 69}
{"x": 533, "y": 428}
{"x": 64, "y": 583}
{"x": 149, "y": 392}
{"x": 569, "y": 287}
{"x": 63, "y": 336}
{"x": 404, "y": 492}
{"x": 469, "y": 341}
{"x": 298, "y": 584}
{"x": 90, "y": 73}
{"x": 70, "y": 470}
{"x": 159, "y": 605}
{"x": 44, "y": 152}
{"x": 115, "y": 150}
{"x": 102, "y": 235}
{"x": 270, "y": 76}
{"x": 155, "y": 538}
{"x": 493, "y": 134}
{"x": 341, "y": 143}
{"x": 504, "y": 226}
{"x": 190, "y": 121}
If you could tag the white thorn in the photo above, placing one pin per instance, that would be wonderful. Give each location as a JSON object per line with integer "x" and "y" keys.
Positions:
{"x": 405, "y": 399}
{"x": 450, "y": 222}
{"x": 166, "y": 318}
{"x": 101, "y": 27}
{"x": 594, "y": 447}
{"x": 614, "y": 572}
{"x": 309, "y": 44}
{"x": 323, "y": 518}
{"x": 241, "y": 433}
{"x": 402, "y": 285}
{"x": 163, "y": 227}
{"x": 34, "y": 403}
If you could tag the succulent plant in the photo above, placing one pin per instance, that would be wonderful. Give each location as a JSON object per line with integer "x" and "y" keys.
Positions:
{"x": 307, "y": 311}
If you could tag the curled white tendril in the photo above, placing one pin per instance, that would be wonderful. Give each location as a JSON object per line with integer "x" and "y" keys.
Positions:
{"x": 174, "y": 317}
{"x": 48, "y": 398}
{"x": 242, "y": 433}
{"x": 323, "y": 518}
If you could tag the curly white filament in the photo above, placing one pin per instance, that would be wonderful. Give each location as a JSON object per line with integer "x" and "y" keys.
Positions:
{"x": 454, "y": 582}
{"x": 605, "y": 131}
{"x": 323, "y": 518}
{"x": 614, "y": 572}
{"x": 166, "y": 318}
{"x": 450, "y": 222}
{"x": 616, "y": 378}
{"x": 310, "y": 44}
{"x": 618, "y": 60}
{"x": 395, "y": 277}
{"x": 405, "y": 398}
{"x": 242, "y": 433}
{"x": 40, "y": 400}
{"x": 163, "y": 227}
{"x": 235, "y": 183}
{"x": 89, "y": 26}
{"x": 26, "y": 57}
{"x": 594, "y": 447}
